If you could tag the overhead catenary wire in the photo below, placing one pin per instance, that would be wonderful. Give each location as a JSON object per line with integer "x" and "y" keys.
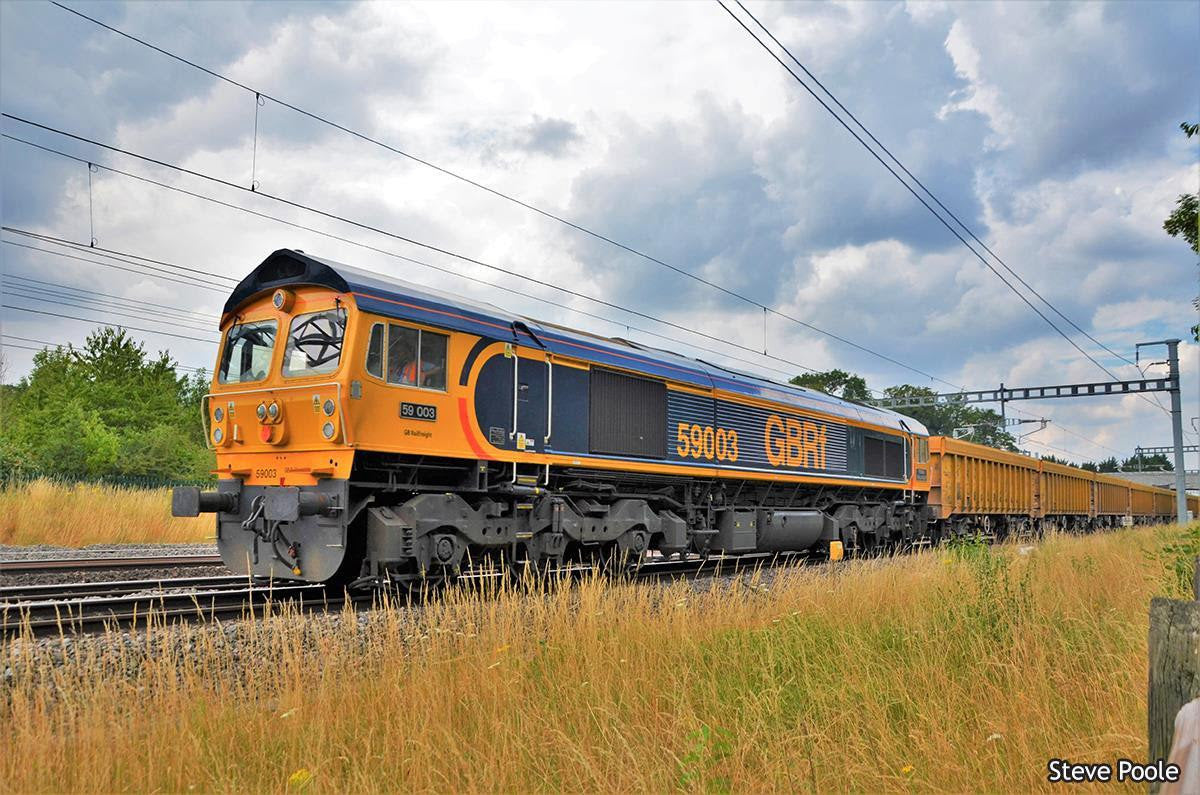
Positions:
{"x": 151, "y": 304}
{"x": 48, "y": 343}
{"x": 261, "y": 95}
{"x": 939, "y": 203}
{"x": 419, "y": 262}
{"x": 157, "y": 275}
{"x": 16, "y": 283}
{"x": 429, "y": 246}
{"x": 105, "y": 323}
{"x": 766, "y": 48}
{"x": 59, "y": 301}
{"x": 102, "y": 252}
{"x": 448, "y": 271}
{"x": 368, "y": 227}
{"x": 778, "y": 313}
{"x": 926, "y": 190}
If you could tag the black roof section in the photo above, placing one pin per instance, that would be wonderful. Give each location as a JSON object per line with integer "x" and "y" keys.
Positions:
{"x": 285, "y": 267}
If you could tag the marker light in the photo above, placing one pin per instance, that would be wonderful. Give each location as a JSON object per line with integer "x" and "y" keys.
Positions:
{"x": 328, "y": 408}
{"x": 219, "y": 414}
{"x": 261, "y": 411}
{"x": 327, "y": 429}
{"x": 218, "y": 436}
{"x": 273, "y": 410}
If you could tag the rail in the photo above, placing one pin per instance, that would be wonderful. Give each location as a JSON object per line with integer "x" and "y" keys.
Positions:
{"x": 103, "y": 563}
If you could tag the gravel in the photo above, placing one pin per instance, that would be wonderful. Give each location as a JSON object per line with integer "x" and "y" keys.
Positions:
{"x": 45, "y": 552}
{"x": 120, "y": 575}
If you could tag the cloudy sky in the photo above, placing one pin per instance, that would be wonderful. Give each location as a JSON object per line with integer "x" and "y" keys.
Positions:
{"x": 1050, "y": 130}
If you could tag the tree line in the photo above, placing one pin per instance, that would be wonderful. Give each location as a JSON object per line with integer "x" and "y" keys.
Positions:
{"x": 107, "y": 409}
{"x": 986, "y": 426}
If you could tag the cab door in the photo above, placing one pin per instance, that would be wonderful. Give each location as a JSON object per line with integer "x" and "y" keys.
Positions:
{"x": 532, "y": 398}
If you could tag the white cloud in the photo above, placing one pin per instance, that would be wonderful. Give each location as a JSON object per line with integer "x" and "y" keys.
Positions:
{"x": 684, "y": 140}
{"x": 978, "y": 95}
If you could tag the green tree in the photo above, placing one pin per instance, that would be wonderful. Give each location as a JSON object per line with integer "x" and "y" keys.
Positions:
{"x": 941, "y": 420}
{"x": 105, "y": 409}
{"x": 1184, "y": 220}
{"x": 1151, "y": 462}
{"x": 838, "y": 383}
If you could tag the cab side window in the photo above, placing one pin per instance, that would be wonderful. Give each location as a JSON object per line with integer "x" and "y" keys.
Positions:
{"x": 402, "y": 355}
{"x": 433, "y": 360}
{"x": 375, "y": 351}
{"x": 413, "y": 357}
{"x": 922, "y": 451}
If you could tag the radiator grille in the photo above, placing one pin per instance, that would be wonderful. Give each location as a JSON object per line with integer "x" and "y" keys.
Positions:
{"x": 628, "y": 415}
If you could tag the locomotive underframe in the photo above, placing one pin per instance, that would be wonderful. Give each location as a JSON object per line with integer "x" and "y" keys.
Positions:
{"x": 400, "y": 518}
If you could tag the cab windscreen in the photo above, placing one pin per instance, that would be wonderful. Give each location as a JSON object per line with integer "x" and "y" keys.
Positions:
{"x": 314, "y": 343}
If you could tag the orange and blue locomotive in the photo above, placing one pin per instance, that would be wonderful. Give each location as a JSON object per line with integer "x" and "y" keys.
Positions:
{"x": 370, "y": 430}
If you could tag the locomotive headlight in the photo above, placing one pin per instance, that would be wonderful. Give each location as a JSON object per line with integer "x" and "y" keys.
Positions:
{"x": 261, "y": 411}
{"x": 219, "y": 414}
{"x": 328, "y": 407}
{"x": 282, "y": 300}
{"x": 218, "y": 436}
{"x": 273, "y": 410}
{"x": 327, "y": 430}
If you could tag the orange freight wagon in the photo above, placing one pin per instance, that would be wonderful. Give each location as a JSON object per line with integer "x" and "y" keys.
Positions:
{"x": 972, "y": 479}
{"x": 1112, "y": 496}
{"x": 1141, "y": 500}
{"x": 1065, "y": 491}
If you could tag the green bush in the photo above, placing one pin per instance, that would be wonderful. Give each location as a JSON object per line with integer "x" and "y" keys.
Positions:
{"x": 105, "y": 410}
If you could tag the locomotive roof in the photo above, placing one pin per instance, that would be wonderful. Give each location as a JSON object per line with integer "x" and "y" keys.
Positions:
{"x": 392, "y": 297}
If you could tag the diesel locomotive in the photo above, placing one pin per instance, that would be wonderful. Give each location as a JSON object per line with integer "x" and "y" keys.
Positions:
{"x": 371, "y": 431}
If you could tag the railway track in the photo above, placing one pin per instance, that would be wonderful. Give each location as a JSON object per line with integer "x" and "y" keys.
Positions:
{"x": 67, "y": 608}
{"x": 106, "y": 563}
{"x": 94, "y": 606}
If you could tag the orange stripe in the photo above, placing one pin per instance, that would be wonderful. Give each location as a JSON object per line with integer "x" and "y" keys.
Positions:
{"x": 466, "y": 426}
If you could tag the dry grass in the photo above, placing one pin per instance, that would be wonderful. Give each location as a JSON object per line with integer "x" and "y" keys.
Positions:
{"x": 78, "y": 514}
{"x": 962, "y": 669}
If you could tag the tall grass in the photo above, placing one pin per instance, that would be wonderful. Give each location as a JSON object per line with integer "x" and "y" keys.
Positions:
{"x": 959, "y": 669}
{"x": 78, "y": 514}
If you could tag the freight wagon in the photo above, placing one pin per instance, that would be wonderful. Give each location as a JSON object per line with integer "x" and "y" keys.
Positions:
{"x": 974, "y": 488}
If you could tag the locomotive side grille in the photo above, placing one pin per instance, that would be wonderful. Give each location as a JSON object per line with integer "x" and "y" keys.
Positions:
{"x": 628, "y": 415}
{"x": 882, "y": 458}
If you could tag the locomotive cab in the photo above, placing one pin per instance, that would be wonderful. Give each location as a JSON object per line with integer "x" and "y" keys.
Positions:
{"x": 277, "y": 418}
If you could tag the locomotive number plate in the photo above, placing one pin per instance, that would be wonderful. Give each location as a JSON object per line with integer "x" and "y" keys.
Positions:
{"x": 418, "y": 411}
